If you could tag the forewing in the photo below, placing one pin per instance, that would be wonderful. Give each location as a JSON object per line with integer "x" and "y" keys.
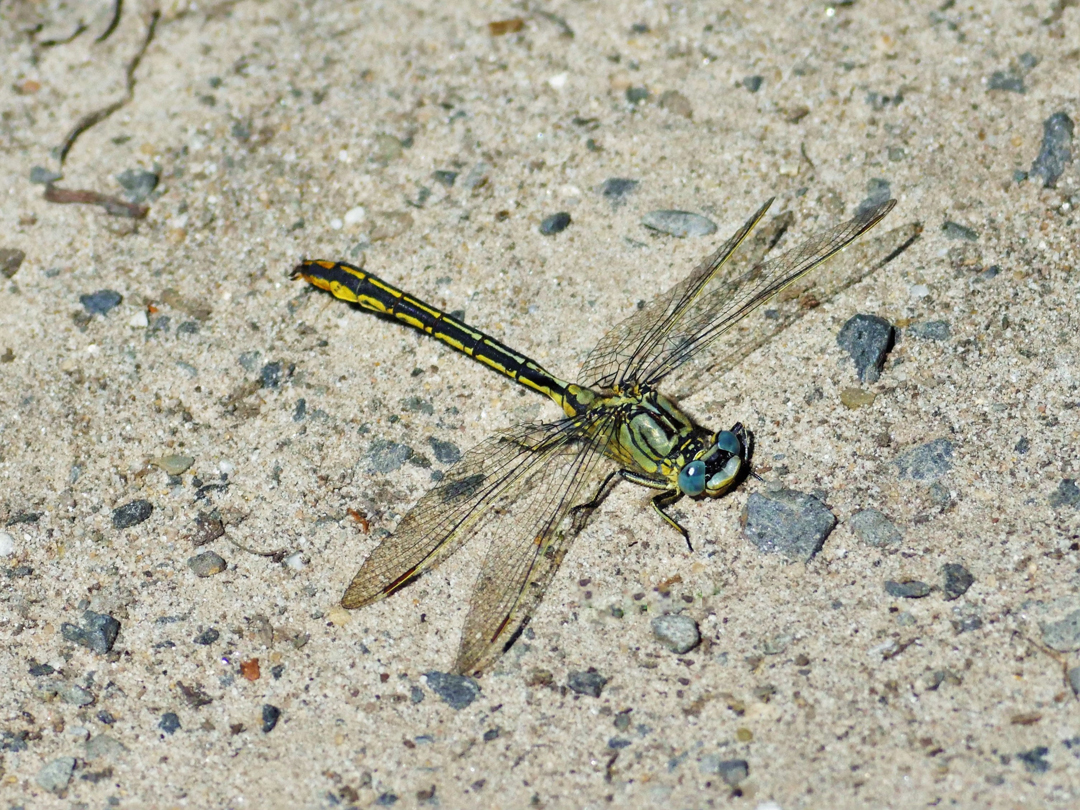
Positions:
{"x": 792, "y": 303}
{"x": 529, "y": 535}
{"x": 634, "y": 341}
{"x": 733, "y": 296}
{"x": 487, "y": 478}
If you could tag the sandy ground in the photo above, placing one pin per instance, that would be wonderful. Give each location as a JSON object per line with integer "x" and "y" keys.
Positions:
{"x": 218, "y": 388}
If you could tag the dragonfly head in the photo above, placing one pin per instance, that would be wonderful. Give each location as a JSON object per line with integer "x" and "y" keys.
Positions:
{"x": 717, "y": 468}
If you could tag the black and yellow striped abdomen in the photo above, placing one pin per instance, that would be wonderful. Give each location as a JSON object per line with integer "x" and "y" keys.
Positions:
{"x": 375, "y": 295}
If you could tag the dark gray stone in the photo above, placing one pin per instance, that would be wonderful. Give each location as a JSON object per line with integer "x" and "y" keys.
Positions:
{"x": 131, "y": 514}
{"x": 456, "y": 691}
{"x": 11, "y": 260}
{"x": 589, "y": 683}
{"x": 386, "y": 800}
{"x": 1074, "y": 680}
{"x": 926, "y": 462}
{"x": 616, "y": 189}
{"x": 270, "y": 375}
{"x": 102, "y": 746}
{"x": 445, "y": 452}
{"x": 954, "y": 230}
{"x": 1056, "y": 149}
{"x": 733, "y": 771}
{"x": 615, "y": 743}
{"x": 676, "y": 631}
{"x": 100, "y": 302}
{"x": 1034, "y": 760}
{"x": 1063, "y": 635}
{"x": 137, "y": 183}
{"x": 270, "y": 716}
{"x": 637, "y": 95}
{"x": 69, "y": 693}
{"x": 868, "y": 339}
{"x": 787, "y": 522}
{"x": 1007, "y": 80}
{"x": 387, "y": 457}
{"x": 98, "y": 632}
{"x": 1067, "y": 494}
{"x": 300, "y": 411}
{"x": 54, "y": 776}
{"x": 40, "y": 176}
{"x": 207, "y": 564}
{"x": 957, "y": 581}
{"x": 908, "y": 589}
{"x": 874, "y": 529}
{"x": 169, "y": 722}
{"x": 447, "y": 178}
{"x": 679, "y": 223}
{"x": 753, "y": 83}
{"x": 929, "y": 330}
{"x": 556, "y": 223}
{"x": 207, "y": 637}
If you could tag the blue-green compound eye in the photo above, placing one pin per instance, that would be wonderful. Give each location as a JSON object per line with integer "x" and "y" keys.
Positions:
{"x": 726, "y": 440}
{"x": 692, "y": 478}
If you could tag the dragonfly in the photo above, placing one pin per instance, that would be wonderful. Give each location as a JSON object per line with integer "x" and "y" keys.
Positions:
{"x": 526, "y": 489}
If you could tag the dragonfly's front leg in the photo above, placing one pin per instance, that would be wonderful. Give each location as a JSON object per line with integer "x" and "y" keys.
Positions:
{"x": 667, "y": 498}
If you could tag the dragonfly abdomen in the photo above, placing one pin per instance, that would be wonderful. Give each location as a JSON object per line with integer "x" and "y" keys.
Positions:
{"x": 375, "y": 295}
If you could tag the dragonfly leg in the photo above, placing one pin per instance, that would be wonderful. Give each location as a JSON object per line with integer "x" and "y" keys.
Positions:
{"x": 667, "y": 498}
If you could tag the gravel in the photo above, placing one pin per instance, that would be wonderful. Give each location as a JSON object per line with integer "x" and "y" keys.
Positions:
{"x": 875, "y": 529}
{"x": 868, "y": 339}
{"x": 679, "y": 223}
{"x": 1056, "y": 149}
{"x": 131, "y": 514}
{"x": 98, "y": 632}
{"x": 957, "y": 581}
{"x": 926, "y": 462}
{"x": 589, "y": 683}
{"x": 556, "y": 223}
{"x": 55, "y": 775}
{"x": 456, "y": 691}
{"x": 787, "y": 522}
{"x": 908, "y": 589}
{"x": 677, "y": 632}
{"x": 207, "y": 564}
{"x": 100, "y": 302}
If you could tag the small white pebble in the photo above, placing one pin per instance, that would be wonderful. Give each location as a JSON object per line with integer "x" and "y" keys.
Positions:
{"x": 294, "y": 561}
{"x": 226, "y": 467}
{"x": 139, "y": 320}
{"x": 558, "y": 81}
{"x": 919, "y": 290}
{"x": 7, "y": 544}
{"x": 336, "y": 224}
{"x": 355, "y": 215}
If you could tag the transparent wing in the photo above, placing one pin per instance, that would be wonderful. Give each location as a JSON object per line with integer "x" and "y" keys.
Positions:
{"x": 735, "y": 289}
{"x": 795, "y": 301}
{"x": 513, "y": 489}
{"x": 634, "y": 340}
{"x": 529, "y": 537}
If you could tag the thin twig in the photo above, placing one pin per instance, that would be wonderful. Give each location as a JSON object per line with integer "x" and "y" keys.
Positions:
{"x": 112, "y": 205}
{"x": 98, "y": 116}
{"x": 118, "y": 10}
{"x": 52, "y": 43}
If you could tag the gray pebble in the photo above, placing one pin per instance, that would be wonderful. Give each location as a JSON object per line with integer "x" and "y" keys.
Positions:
{"x": 675, "y": 102}
{"x": 206, "y": 564}
{"x": 387, "y": 457}
{"x": 100, "y": 302}
{"x": 678, "y": 632}
{"x": 874, "y": 529}
{"x": 54, "y": 776}
{"x": 207, "y": 637}
{"x": 270, "y": 375}
{"x": 138, "y": 183}
{"x": 556, "y": 223}
{"x": 679, "y": 223}
{"x": 732, "y": 771}
{"x": 787, "y": 522}
{"x": 1006, "y": 80}
{"x": 957, "y": 581}
{"x": 1034, "y": 761}
{"x": 104, "y": 747}
{"x": 300, "y": 411}
{"x": 637, "y": 95}
{"x": 878, "y": 191}
{"x": 11, "y": 260}
{"x": 69, "y": 693}
{"x": 954, "y": 230}
{"x": 445, "y": 177}
{"x": 445, "y": 452}
{"x": 926, "y": 462}
{"x": 868, "y": 339}
{"x": 1056, "y": 149}
{"x": 1067, "y": 494}
{"x": 457, "y": 691}
{"x": 1063, "y": 635}
{"x": 416, "y": 695}
{"x": 174, "y": 464}
{"x": 40, "y": 176}
{"x": 615, "y": 743}
{"x": 270, "y": 716}
{"x": 616, "y": 189}
{"x": 753, "y": 83}
{"x": 589, "y": 683}
{"x": 386, "y": 800}
{"x": 98, "y": 632}
{"x": 131, "y": 514}
{"x": 1074, "y": 680}
{"x": 929, "y": 330}
{"x": 908, "y": 589}
{"x": 169, "y": 722}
